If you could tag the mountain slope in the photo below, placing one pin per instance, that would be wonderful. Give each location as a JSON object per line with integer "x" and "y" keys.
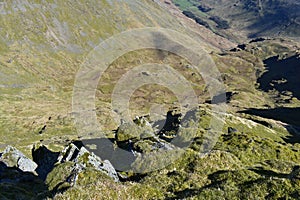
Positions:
{"x": 42, "y": 47}
{"x": 43, "y": 44}
{"x": 245, "y": 18}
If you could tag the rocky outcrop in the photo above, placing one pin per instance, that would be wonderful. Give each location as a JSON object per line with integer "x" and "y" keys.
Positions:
{"x": 140, "y": 129}
{"x": 231, "y": 130}
{"x": 12, "y": 157}
{"x": 137, "y": 143}
{"x": 18, "y": 178}
{"x": 140, "y": 137}
{"x": 17, "y": 170}
{"x": 82, "y": 159}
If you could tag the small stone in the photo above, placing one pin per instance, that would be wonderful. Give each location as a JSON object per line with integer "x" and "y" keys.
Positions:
{"x": 146, "y": 73}
{"x": 232, "y": 130}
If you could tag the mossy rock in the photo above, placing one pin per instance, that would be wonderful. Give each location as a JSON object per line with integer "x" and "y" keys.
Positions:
{"x": 56, "y": 179}
{"x": 130, "y": 131}
{"x": 144, "y": 146}
{"x": 127, "y": 132}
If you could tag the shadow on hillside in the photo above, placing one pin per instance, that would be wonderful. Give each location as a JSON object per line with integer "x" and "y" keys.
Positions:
{"x": 45, "y": 159}
{"x": 290, "y": 116}
{"x": 281, "y": 75}
{"x": 286, "y": 115}
{"x": 120, "y": 158}
{"x": 16, "y": 184}
{"x": 275, "y": 19}
{"x": 269, "y": 173}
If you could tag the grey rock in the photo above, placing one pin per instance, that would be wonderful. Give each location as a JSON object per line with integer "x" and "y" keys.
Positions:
{"x": 67, "y": 153}
{"x": 26, "y": 165}
{"x": 73, "y": 177}
{"x": 12, "y": 157}
{"x": 232, "y": 130}
{"x": 16, "y": 184}
{"x": 83, "y": 158}
{"x": 140, "y": 129}
{"x": 128, "y": 131}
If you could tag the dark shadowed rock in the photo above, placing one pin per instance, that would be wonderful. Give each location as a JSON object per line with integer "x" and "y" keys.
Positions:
{"x": 45, "y": 160}
{"x": 18, "y": 179}
{"x": 17, "y": 184}
{"x": 171, "y": 125}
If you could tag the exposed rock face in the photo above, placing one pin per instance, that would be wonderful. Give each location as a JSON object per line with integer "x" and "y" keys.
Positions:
{"x": 172, "y": 122}
{"x": 12, "y": 157}
{"x": 17, "y": 175}
{"x": 83, "y": 158}
{"x": 128, "y": 132}
{"x": 59, "y": 170}
{"x": 140, "y": 137}
{"x": 134, "y": 140}
{"x": 135, "y": 131}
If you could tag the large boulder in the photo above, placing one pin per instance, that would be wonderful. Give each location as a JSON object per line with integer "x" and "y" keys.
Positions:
{"x": 128, "y": 131}
{"x": 82, "y": 158}
{"x": 139, "y": 137}
{"x": 134, "y": 132}
{"x": 12, "y": 157}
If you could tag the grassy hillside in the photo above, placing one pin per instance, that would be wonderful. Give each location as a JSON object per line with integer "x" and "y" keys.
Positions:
{"x": 44, "y": 43}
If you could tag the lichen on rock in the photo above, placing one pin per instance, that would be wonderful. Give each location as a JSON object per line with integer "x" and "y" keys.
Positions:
{"x": 12, "y": 157}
